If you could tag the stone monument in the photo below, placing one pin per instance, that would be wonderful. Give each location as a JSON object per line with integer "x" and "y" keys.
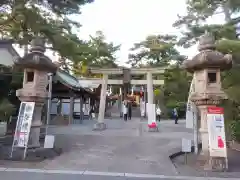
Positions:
{"x": 36, "y": 67}
{"x": 206, "y": 67}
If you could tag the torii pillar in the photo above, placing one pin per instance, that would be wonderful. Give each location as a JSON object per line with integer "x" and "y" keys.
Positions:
{"x": 100, "y": 125}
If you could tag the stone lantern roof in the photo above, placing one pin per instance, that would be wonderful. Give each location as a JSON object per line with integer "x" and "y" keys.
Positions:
{"x": 36, "y": 58}
{"x": 208, "y": 57}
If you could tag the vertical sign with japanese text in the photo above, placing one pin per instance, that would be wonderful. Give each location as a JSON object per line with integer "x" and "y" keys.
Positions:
{"x": 216, "y": 130}
{"x": 24, "y": 124}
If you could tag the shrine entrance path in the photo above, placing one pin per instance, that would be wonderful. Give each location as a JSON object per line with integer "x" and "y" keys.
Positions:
{"x": 124, "y": 147}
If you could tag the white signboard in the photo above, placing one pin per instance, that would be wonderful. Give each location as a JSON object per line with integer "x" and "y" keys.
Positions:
{"x": 186, "y": 145}
{"x": 189, "y": 119}
{"x": 191, "y": 115}
{"x": 216, "y": 129}
{"x": 49, "y": 141}
{"x": 24, "y": 122}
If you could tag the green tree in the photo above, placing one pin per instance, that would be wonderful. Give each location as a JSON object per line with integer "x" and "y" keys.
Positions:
{"x": 198, "y": 12}
{"x": 22, "y": 20}
{"x": 101, "y": 54}
{"x": 176, "y": 88}
{"x": 155, "y": 50}
{"x": 10, "y": 81}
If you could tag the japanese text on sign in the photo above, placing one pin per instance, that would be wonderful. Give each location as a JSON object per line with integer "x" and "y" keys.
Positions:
{"x": 216, "y": 130}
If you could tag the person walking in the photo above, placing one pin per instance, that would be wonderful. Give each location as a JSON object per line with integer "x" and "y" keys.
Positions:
{"x": 129, "y": 110}
{"x": 92, "y": 112}
{"x": 175, "y": 114}
{"x": 122, "y": 107}
{"x": 158, "y": 113}
{"x": 125, "y": 111}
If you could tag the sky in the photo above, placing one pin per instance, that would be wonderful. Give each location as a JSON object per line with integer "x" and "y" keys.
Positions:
{"x": 127, "y": 22}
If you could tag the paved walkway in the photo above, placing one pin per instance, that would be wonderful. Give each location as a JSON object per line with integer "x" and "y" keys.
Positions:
{"x": 37, "y": 174}
{"x": 125, "y": 147}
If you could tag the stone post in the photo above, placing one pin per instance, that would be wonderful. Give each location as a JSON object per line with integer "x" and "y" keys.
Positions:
{"x": 149, "y": 88}
{"x": 204, "y": 130}
{"x": 151, "y": 109}
{"x": 100, "y": 125}
{"x": 71, "y": 109}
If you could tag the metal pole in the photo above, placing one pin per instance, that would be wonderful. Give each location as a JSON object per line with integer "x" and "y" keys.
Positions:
{"x": 50, "y": 76}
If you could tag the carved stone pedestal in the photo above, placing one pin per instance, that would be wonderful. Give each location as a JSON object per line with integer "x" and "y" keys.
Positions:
{"x": 218, "y": 164}
{"x": 209, "y": 163}
{"x": 36, "y": 126}
{"x": 154, "y": 129}
{"x": 34, "y": 137}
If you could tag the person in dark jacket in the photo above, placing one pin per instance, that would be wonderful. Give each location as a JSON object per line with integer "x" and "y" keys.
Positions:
{"x": 175, "y": 114}
{"x": 129, "y": 110}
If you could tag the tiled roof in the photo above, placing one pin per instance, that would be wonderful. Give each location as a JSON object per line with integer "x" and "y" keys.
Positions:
{"x": 70, "y": 81}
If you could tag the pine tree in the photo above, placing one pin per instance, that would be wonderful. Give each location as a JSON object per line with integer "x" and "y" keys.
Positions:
{"x": 155, "y": 50}
{"x": 101, "y": 54}
{"x": 22, "y": 20}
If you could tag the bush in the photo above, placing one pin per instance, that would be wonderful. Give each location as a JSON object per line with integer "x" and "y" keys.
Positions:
{"x": 235, "y": 130}
{"x": 6, "y": 110}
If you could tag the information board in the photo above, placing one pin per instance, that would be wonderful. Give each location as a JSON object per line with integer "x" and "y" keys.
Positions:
{"x": 216, "y": 131}
{"x": 23, "y": 126}
{"x": 186, "y": 145}
{"x": 189, "y": 116}
{"x": 49, "y": 141}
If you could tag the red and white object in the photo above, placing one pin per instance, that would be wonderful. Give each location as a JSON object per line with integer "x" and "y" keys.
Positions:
{"x": 151, "y": 113}
{"x": 216, "y": 132}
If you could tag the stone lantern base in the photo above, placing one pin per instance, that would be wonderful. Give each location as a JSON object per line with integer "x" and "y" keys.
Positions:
{"x": 218, "y": 164}
{"x": 36, "y": 126}
{"x": 208, "y": 162}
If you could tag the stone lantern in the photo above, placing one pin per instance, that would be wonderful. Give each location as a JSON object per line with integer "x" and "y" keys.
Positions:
{"x": 36, "y": 67}
{"x": 206, "y": 67}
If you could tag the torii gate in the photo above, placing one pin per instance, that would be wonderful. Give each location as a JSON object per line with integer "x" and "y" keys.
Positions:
{"x": 100, "y": 125}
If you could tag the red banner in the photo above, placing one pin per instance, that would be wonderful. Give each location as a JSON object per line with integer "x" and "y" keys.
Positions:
{"x": 215, "y": 110}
